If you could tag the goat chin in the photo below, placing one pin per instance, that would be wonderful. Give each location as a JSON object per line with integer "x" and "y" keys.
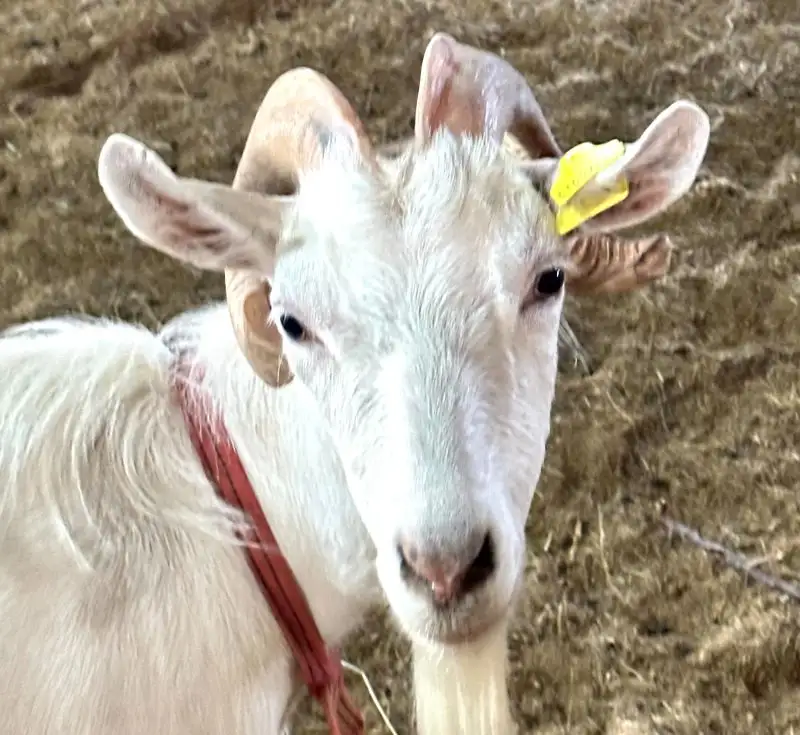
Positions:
{"x": 462, "y": 689}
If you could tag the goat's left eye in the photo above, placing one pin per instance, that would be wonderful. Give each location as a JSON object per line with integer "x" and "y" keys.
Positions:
{"x": 549, "y": 282}
{"x": 293, "y": 328}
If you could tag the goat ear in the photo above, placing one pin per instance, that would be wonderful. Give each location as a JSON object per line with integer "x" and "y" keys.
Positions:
{"x": 207, "y": 225}
{"x": 653, "y": 172}
{"x": 650, "y": 175}
{"x": 660, "y": 167}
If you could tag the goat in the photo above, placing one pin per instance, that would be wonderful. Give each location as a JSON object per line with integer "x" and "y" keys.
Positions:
{"x": 385, "y": 366}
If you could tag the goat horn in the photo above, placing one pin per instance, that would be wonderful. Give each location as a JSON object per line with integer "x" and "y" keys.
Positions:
{"x": 299, "y": 114}
{"x": 476, "y": 92}
{"x": 606, "y": 263}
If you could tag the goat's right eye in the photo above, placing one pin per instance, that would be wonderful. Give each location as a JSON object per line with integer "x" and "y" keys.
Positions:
{"x": 293, "y": 328}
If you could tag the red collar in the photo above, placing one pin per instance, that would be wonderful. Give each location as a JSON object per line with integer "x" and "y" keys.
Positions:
{"x": 320, "y": 667}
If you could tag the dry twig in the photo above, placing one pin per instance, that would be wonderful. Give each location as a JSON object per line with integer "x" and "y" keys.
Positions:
{"x": 568, "y": 340}
{"x": 734, "y": 559}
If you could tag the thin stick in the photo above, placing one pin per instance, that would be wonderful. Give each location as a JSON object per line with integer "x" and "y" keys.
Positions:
{"x": 374, "y": 697}
{"x": 733, "y": 559}
{"x": 567, "y": 339}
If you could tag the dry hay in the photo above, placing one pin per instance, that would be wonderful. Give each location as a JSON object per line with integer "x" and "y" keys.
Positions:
{"x": 693, "y": 409}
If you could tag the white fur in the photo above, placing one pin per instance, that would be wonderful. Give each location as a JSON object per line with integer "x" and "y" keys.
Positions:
{"x": 463, "y": 688}
{"x": 126, "y": 607}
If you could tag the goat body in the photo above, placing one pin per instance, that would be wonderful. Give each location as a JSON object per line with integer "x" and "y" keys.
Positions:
{"x": 117, "y": 571}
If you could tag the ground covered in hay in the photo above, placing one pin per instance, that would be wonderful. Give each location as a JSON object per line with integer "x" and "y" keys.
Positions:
{"x": 692, "y": 411}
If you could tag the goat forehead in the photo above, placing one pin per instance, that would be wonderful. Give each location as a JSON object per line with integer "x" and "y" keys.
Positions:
{"x": 458, "y": 193}
{"x": 458, "y": 177}
{"x": 443, "y": 291}
{"x": 450, "y": 228}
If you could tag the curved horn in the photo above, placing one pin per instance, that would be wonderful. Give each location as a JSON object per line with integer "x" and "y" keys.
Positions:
{"x": 476, "y": 92}
{"x": 300, "y": 114}
{"x": 606, "y": 263}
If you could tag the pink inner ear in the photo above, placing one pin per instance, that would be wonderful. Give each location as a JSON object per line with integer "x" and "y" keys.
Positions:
{"x": 646, "y": 198}
{"x": 181, "y": 227}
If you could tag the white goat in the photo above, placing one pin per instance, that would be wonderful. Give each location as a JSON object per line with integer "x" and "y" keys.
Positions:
{"x": 415, "y": 301}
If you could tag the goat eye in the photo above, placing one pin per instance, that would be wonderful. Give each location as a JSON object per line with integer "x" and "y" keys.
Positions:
{"x": 293, "y": 329}
{"x": 550, "y": 282}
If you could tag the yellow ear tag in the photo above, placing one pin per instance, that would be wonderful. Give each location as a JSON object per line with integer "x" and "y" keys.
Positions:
{"x": 575, "y": 170}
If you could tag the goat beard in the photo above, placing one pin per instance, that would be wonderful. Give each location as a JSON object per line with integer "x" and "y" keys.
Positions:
{"x": 462, "y": 689}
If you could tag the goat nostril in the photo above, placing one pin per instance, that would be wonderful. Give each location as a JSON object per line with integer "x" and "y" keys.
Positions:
{"x": 481, "y": 568}
{"x": 448, "y": 577}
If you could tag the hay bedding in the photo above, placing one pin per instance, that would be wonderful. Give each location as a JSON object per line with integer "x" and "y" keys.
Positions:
{"x": 692, "y": 412}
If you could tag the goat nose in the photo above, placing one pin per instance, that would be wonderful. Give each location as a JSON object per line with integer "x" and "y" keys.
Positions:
{"x": 450, "y": 575}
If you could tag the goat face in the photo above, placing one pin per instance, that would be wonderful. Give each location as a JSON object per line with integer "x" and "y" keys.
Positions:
{"x": 420, "y": 306}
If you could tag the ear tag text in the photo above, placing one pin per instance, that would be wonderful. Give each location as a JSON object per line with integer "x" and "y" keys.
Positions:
{"x": 576, "y": 203}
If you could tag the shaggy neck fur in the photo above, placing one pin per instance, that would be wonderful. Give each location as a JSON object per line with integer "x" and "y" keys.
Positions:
{"x": 118, "y": 563}
{"x": 294, "y": 469}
